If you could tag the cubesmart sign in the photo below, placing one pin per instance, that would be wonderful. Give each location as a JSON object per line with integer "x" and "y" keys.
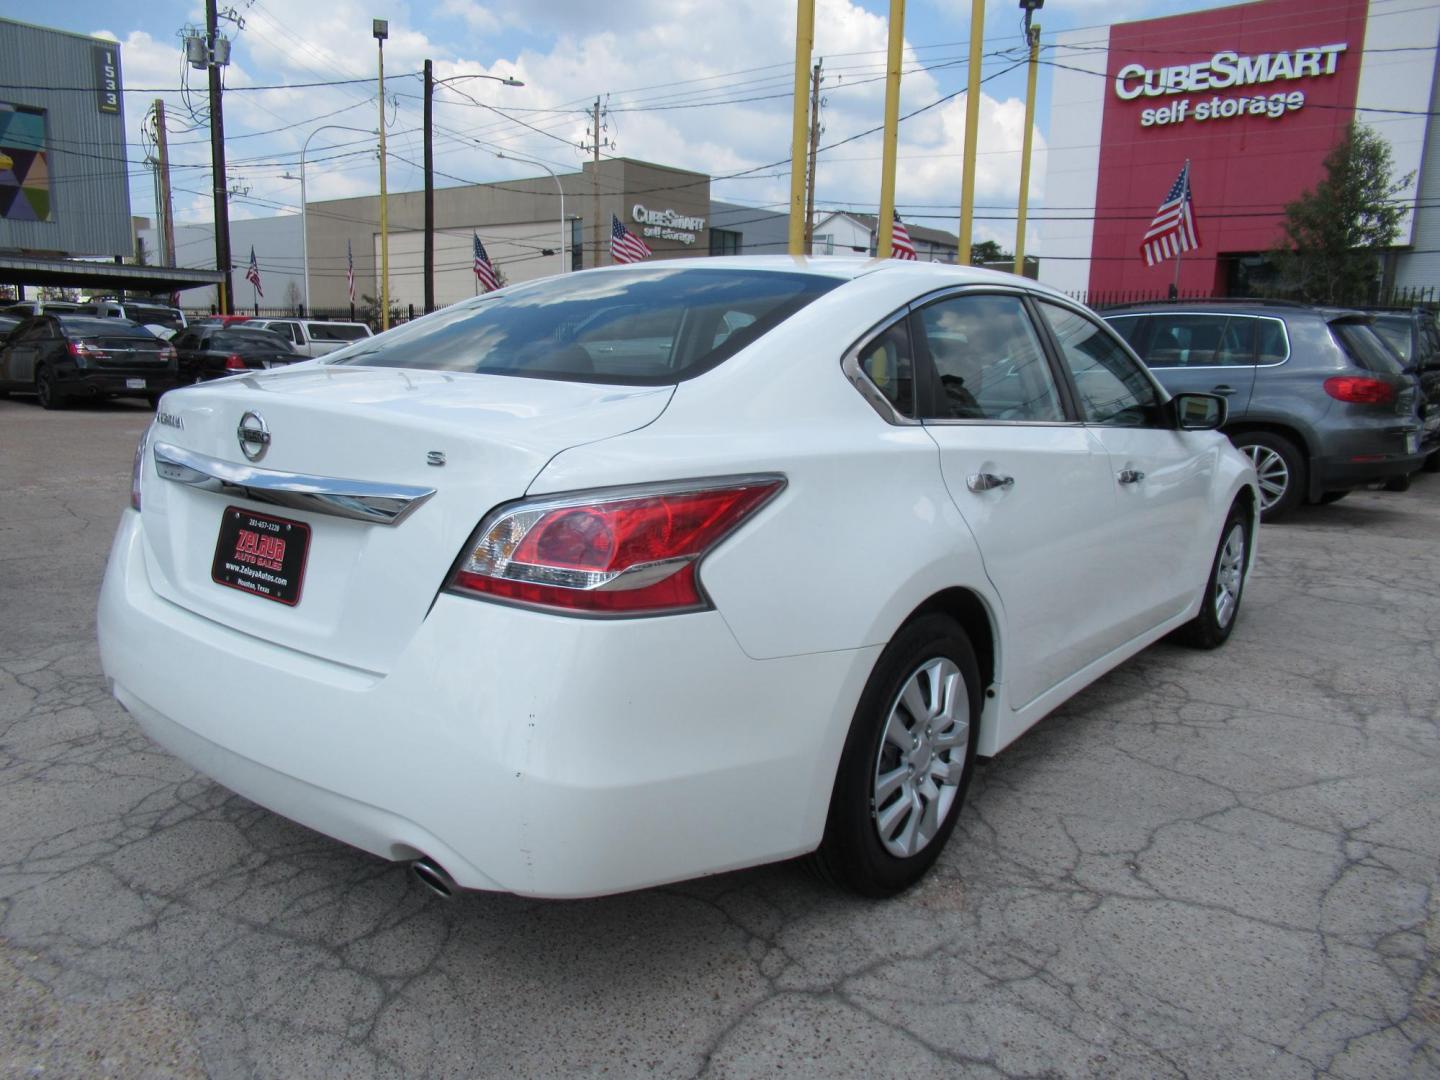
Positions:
{"x": 1254, "y": 96}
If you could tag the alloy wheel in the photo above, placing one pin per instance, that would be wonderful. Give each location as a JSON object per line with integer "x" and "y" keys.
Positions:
{"x": 1272, "y": 471}
{"x": 922, "y": 757}
{"x": 1229, "y": 575}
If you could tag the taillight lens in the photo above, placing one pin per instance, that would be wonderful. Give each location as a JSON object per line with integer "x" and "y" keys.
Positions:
{"x": 234, "y": 363}
{"x": 168, "y": 353}
{"x": 1359, "y": 390}
{"x": 84, "y": 350}
{"x": 138, "y": 469}
{"x": 632, "y": 551}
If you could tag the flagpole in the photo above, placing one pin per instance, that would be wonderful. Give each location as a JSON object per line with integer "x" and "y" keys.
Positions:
{"x": 1180, "y": 255}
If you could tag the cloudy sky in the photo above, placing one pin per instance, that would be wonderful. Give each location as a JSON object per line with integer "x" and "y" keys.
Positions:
{"x": 697, "y": 84}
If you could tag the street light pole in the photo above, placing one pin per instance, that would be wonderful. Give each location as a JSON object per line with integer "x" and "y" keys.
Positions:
{"x": 564, "y": 262}
{"x": 304, "y": 211}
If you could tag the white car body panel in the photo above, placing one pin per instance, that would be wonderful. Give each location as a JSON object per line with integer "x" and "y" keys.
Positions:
{"x": 552, "y": 755}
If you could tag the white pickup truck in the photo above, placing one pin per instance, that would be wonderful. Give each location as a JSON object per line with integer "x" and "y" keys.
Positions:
{"x": 314, "y": 338}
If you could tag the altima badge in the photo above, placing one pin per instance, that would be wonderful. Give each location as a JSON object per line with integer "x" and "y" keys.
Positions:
{"x": 254, "y": 436}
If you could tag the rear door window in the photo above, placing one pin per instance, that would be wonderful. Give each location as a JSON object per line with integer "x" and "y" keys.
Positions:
{"x": 988, "y": 362}
{"x": 887, "y": 362}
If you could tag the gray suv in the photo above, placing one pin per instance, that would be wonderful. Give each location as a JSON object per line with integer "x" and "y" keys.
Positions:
{"x": 1316, "y": 401}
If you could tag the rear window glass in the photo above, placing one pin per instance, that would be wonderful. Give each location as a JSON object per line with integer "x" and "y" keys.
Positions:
{"x": 80, "y": 326}
{"x": 236, "y": 338}
{"x": 335, "y": 332}
{"x": 1365, "y": 349}
{"x": 1396, "y": 334}
{"x": 641, "y": 327}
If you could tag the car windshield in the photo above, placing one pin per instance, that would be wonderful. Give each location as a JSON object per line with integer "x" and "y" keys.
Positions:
{"x": 320, "y": 331}
{"x": 641, "y": 327}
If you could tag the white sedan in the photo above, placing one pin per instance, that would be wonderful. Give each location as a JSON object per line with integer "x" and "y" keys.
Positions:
{"x": 643, "y": 573}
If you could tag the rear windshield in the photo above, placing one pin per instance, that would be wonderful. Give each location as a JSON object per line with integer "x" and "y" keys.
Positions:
{"x": 237, "y": 338}
{"x": 1395, "y": 332}
{"x": 1365, "y": 349}
{"x": 320, "y": 331}
{"x": 81, "y": 326}
{"x": 640, "y": 327}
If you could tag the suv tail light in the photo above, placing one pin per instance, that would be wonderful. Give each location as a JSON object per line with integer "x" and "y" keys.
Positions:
{"x": 234, "y": 363}
{"x": 1359, "y": 390}
{"x": 624, "y": 551}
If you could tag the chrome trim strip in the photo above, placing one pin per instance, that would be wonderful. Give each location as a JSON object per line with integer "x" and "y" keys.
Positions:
{"x": 357, "y": 500}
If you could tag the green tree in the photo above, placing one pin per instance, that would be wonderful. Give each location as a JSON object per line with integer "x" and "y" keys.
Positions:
{"x": 988, "y": 251}
{"x": 1334, "y": 234}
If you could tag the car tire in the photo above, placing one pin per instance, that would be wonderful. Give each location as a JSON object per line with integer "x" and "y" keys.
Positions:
{"x": 47, "y": 393}
{"x": 1398, "y": 483}
{"x": 1432, "y": 463}
{"x": 885, "y": 829}
{"x": 1332, "y": 497}
{"x": 1220, "y": 606}
{"x": 1281, "y": 468}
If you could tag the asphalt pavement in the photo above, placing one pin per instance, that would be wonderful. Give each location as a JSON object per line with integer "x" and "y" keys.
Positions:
{"x": 1206, "y": 865}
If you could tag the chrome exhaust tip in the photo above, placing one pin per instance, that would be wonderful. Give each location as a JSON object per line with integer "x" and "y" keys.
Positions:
{"x": 433, "y": 876}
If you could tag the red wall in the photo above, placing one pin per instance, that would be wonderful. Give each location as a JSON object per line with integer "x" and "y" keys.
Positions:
{"x": 1244, "y": 168}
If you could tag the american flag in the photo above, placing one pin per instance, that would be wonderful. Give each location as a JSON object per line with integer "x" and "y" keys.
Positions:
{"x": 350, "y": 271}
{"x": 253, "y": 274}
{"x": 625, "y": 246}
{"x": 900, "y": 245}
{"x": 483, "y": 270}
{"x": 1173, "y": 229}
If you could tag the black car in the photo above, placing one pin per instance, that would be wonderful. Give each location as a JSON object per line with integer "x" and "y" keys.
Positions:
{"x": 210, "y": 351}
{"x": 59, "y": 358}
{"x": 1415, "y": 339}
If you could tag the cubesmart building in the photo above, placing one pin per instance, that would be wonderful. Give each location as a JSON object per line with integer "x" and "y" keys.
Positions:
{"x": 1253, "y": 96}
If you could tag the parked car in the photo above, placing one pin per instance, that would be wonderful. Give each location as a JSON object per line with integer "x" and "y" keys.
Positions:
{"x": 1313, "y": 403}
{"x": 512, "y": 595}
{"x": 316, "y": 338}
{"x": 161, "y": 319}
{"x": 218, "y": 320}
{"x": 211, "y": 351}
{"x": 25, "y": 308}
{"x": 8, "y": 323}
{"x": 1415, "y": 340}
{"x": 62, "y": 357}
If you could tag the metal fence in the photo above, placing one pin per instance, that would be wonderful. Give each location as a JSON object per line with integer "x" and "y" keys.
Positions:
{"x": 1399, "y": 298}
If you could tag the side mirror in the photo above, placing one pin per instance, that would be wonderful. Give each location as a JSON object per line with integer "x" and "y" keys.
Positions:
{"x": 1199, "y": 412}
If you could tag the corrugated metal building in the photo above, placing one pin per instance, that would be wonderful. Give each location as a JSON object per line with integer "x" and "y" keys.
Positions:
{"x": 64, "y": 176}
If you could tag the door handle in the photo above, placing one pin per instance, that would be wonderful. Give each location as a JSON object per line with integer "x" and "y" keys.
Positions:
{"x": 988, "y": 482}
{"x": 1224, "y": 391}
{"x": 1131, "y": 476}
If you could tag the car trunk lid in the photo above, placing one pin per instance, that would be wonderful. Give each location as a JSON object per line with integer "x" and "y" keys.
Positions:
{"x": 336, "y": 436}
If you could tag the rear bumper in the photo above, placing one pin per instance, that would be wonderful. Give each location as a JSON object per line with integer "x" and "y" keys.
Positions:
{"x": 1355, "y": 458}
{"x": 523, "y": 752}
{"x": 115, "y": 382}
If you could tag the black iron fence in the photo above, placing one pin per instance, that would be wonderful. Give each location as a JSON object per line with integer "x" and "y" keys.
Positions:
{"x": 1399, "y": 298}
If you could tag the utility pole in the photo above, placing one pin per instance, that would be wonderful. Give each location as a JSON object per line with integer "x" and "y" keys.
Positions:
{"x": 217, "y": 166}
{"x": 380, "y": 29}
{"x": 804, "y": 47}
{"x": 595, "y": 181}
{"x": 429, "y": 190}
{"x": 1032, "y": 35}
{"x": 814, "y": 151}
{"x": 972, "y": 130}
{"x": 166, "y": 213}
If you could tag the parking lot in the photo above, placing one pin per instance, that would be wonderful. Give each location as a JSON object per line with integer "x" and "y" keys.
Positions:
{"x": 1206, "y": 865}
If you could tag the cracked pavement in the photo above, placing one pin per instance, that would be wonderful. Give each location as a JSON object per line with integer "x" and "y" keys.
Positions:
{"x": 1206, "y": 865}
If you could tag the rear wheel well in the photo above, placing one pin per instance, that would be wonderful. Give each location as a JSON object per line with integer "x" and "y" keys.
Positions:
{"x": 1274, "y": 429}
{"x": 966, "y": 608}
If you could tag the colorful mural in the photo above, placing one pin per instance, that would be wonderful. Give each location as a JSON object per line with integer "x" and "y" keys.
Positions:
{"x": 24, "y": 171}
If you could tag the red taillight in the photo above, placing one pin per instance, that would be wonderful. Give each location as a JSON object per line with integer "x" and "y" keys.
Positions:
{"x": 234, "y": 363}
{"x": 633, "y": 553}
{"x": 1360, "y": 391}
{"x": 83, "y": 350}
{"x": 168, "y": 353}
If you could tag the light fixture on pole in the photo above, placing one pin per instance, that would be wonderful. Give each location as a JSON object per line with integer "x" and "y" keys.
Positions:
{"x": 304, "y": 211}
{"x": 380, "y": 28}
{"x": 564, "y": 225}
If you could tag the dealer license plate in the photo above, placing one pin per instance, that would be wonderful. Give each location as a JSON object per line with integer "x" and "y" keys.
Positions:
{"x": 134, "y": 384}
{"x": 261, "y": 554}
